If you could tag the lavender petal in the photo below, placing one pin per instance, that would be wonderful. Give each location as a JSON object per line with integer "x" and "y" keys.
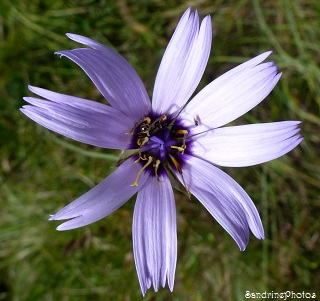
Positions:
{"x": 183, "y": 63}
{"x": 114, "y": 77}
{"x": 72, "y": 101}
{"x": 79, "y": 119}
{"x": 225, "y": 199}
{"x": 155, "y": 234}
{"x": 232, "y": 94}
{"x": 103, "y": 199}
{"x": 247, "y": 145}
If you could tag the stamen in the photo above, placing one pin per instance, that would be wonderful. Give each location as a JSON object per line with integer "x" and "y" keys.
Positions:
{"x": 159, "y": 140}
{"x": 142, "y": 141}
{"x": 184, "y": 133}
{"x": 150, "y": 159}
{"x": 179, "y": 148}
{"x": 183, "y": 146}
{"x": 156, "y": 166}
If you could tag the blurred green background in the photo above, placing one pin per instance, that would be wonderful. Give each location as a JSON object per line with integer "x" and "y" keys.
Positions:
{"x": 40, "y": 172}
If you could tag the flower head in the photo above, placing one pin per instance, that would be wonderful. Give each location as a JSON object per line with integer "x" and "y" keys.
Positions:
{"x": 168, "y": 136}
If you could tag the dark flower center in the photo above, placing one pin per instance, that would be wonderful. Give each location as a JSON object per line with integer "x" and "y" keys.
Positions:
{"x": 162, "y": 141}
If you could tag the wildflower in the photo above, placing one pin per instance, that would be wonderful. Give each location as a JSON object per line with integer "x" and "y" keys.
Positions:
{"x": 170, "y": 137}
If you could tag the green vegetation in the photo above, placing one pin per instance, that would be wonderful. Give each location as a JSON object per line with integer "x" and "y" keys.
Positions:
{"x": 41, "y": 172}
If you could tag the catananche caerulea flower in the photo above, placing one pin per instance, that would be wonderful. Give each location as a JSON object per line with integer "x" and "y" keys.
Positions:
{"x": 168, "y": 137}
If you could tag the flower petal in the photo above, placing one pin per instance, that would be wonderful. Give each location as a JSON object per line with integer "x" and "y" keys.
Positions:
{"x": 76, "y": 102}
{"x": 183, "y": 63}
{"x": 103, "y": 199}
{"x": 225, "y": 199}
{"x": 155, "y": 234}
{"x": 79, "y": 119}
{"x": 232, "y": 94}
{"x": 247, "y": 145}
{"x": 114, "y": 77}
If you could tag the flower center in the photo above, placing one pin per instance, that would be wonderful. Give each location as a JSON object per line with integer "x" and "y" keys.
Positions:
{"x": 161, "y": 141}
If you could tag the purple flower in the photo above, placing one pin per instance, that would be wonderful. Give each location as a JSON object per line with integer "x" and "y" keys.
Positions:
{"x": 167, "y": 138}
